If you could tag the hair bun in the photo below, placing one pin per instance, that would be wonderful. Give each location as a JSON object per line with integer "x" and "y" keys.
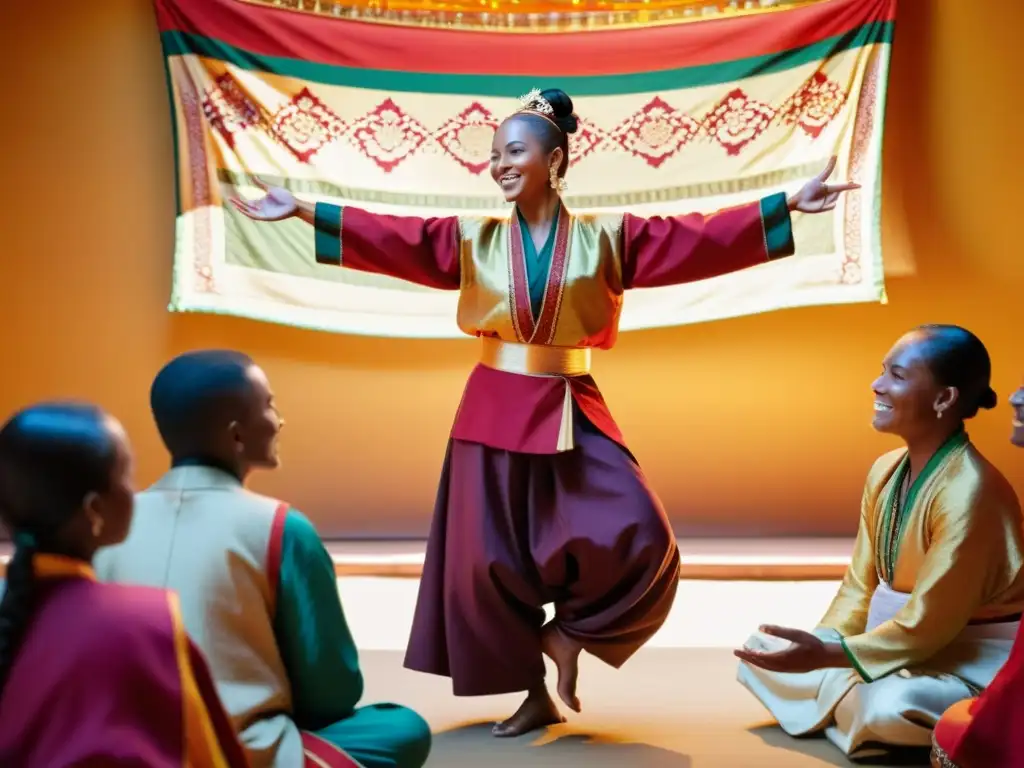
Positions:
{"x": 562, "y": 106}
{"x": 988, "y": 399}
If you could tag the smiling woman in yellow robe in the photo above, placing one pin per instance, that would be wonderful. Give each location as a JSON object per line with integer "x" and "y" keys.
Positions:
{"x": 931, "y": 601}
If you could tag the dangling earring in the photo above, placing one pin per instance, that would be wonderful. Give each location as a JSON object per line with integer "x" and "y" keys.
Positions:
{"x": 557, "y": 184}
{"x": 938, "y": 413}
{"x": 97, "y": 527}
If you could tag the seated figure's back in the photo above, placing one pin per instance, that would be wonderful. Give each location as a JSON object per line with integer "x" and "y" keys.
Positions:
{"x": 91, "y": 674}
{"x": 100, "y": 681}
{"x": 218, "y": 545}
{"x": 258, "y": 589}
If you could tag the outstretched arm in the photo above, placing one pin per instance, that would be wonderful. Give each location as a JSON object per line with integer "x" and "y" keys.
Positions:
{"x": 846, "y": 616}
{"x": 669, "y": 250}
{"x": 422, "y": 251}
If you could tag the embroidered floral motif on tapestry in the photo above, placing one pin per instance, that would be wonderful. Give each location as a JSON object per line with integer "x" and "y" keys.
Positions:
{"x": 389, "y": 134}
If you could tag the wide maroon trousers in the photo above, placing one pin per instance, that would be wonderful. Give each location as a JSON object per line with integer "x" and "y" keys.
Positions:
{"x": 513, "y": 532}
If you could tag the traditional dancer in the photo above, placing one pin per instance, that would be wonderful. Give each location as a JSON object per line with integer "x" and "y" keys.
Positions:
{"x": 257, "y": 587}
{"x": 91, "y": 674}
{"x": 931, "y": 602}
{"x": 988, "y": 730}
{"x": 540, "y": 501}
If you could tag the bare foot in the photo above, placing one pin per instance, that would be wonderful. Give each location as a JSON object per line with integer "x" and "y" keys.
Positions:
{"x": 538, "y": 711}
{"x": 566, "y": 655}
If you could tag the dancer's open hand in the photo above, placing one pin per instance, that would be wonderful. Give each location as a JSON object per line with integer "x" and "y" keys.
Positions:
{"x": 816, "y": 196}
{"x": 805, "y": 652}
{"x": 277, "y": 204}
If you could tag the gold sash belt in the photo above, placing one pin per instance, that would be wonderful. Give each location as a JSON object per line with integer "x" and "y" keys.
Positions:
{"x": 537, "y": 360}
{"x": 534, "y": 359}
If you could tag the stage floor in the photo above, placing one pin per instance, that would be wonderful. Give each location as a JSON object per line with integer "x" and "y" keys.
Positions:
{"x": 667, "y": 708}
{"x": 706, "y": 613}
{"x": 676, "y": 704}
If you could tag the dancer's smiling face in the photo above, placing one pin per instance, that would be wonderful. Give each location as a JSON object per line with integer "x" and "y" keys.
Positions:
{"x": 524, "y": 150}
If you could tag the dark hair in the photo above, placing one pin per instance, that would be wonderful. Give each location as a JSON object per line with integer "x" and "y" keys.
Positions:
{"x": 957, "y": 358}
{"x": 555, "y": 132}
{"x": 52, "y": 455}
{"x": 194, "y": 392}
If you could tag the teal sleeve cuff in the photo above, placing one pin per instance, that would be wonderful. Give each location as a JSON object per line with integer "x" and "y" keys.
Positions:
{"x": 854, "y": 663}
{"x": 327, "y": 224}
{"x": 778, "y": 226}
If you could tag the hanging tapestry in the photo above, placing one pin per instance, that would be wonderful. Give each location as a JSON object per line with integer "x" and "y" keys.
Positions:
{"x": 680, "y": 113}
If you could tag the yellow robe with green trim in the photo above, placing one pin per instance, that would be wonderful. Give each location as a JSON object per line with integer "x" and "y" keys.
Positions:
{"x": 960, "y": 565}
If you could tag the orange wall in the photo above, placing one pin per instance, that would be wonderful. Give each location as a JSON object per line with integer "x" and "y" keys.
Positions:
{"x": 755, "y": 425}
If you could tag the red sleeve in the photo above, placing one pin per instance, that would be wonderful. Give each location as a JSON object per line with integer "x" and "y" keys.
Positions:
{"x": 682, "y": 249}
{"x": 986, "y": 732}
{"x": 422, "y": 251}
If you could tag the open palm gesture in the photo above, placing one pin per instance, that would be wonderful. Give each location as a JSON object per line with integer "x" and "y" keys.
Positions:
{"x": 804, "y": 653}
{"x": 277, "y": 204}
{"x": 816, "y": 196}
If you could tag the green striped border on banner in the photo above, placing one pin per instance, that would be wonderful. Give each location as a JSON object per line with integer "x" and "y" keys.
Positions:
{"x": 182, "y": 43}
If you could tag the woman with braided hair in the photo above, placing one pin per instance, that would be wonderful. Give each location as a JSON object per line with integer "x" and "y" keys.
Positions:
{"x": 90, "y": 674}
{"x": 540, "y": 500}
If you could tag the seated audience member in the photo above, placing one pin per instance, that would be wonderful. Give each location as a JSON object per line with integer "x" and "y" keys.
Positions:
{"x": 988, "y": 730}
{"x": 257, "y": 587}
{"x": 90, "y": 674}
{"x": 930, "y": 604}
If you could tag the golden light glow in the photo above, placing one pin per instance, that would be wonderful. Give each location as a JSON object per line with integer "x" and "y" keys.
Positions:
{"x": 530, "y": 15}
{"x": 758, "y": 426}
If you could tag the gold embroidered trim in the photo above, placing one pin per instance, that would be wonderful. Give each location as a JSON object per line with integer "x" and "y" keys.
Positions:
{"x": 939, "y": 757}
{"x": 516, "y": 17}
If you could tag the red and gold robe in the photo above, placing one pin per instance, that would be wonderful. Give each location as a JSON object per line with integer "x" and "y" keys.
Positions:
{"x": 533, "y": 369}
{"x": 106, "y": 675}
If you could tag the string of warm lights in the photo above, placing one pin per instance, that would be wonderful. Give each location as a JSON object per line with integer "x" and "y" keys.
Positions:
{"x": 530, "y": 15}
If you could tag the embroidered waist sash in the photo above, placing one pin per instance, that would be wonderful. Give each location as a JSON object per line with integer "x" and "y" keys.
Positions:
{"x": 534, "y": 359}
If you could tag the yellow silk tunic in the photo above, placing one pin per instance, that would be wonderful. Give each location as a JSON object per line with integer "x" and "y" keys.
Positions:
{"x": 595, "y": 258}
{"x": 583, "y": 302}
{"x": 959, "y": 553}
{"x": 535, "y": 360}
